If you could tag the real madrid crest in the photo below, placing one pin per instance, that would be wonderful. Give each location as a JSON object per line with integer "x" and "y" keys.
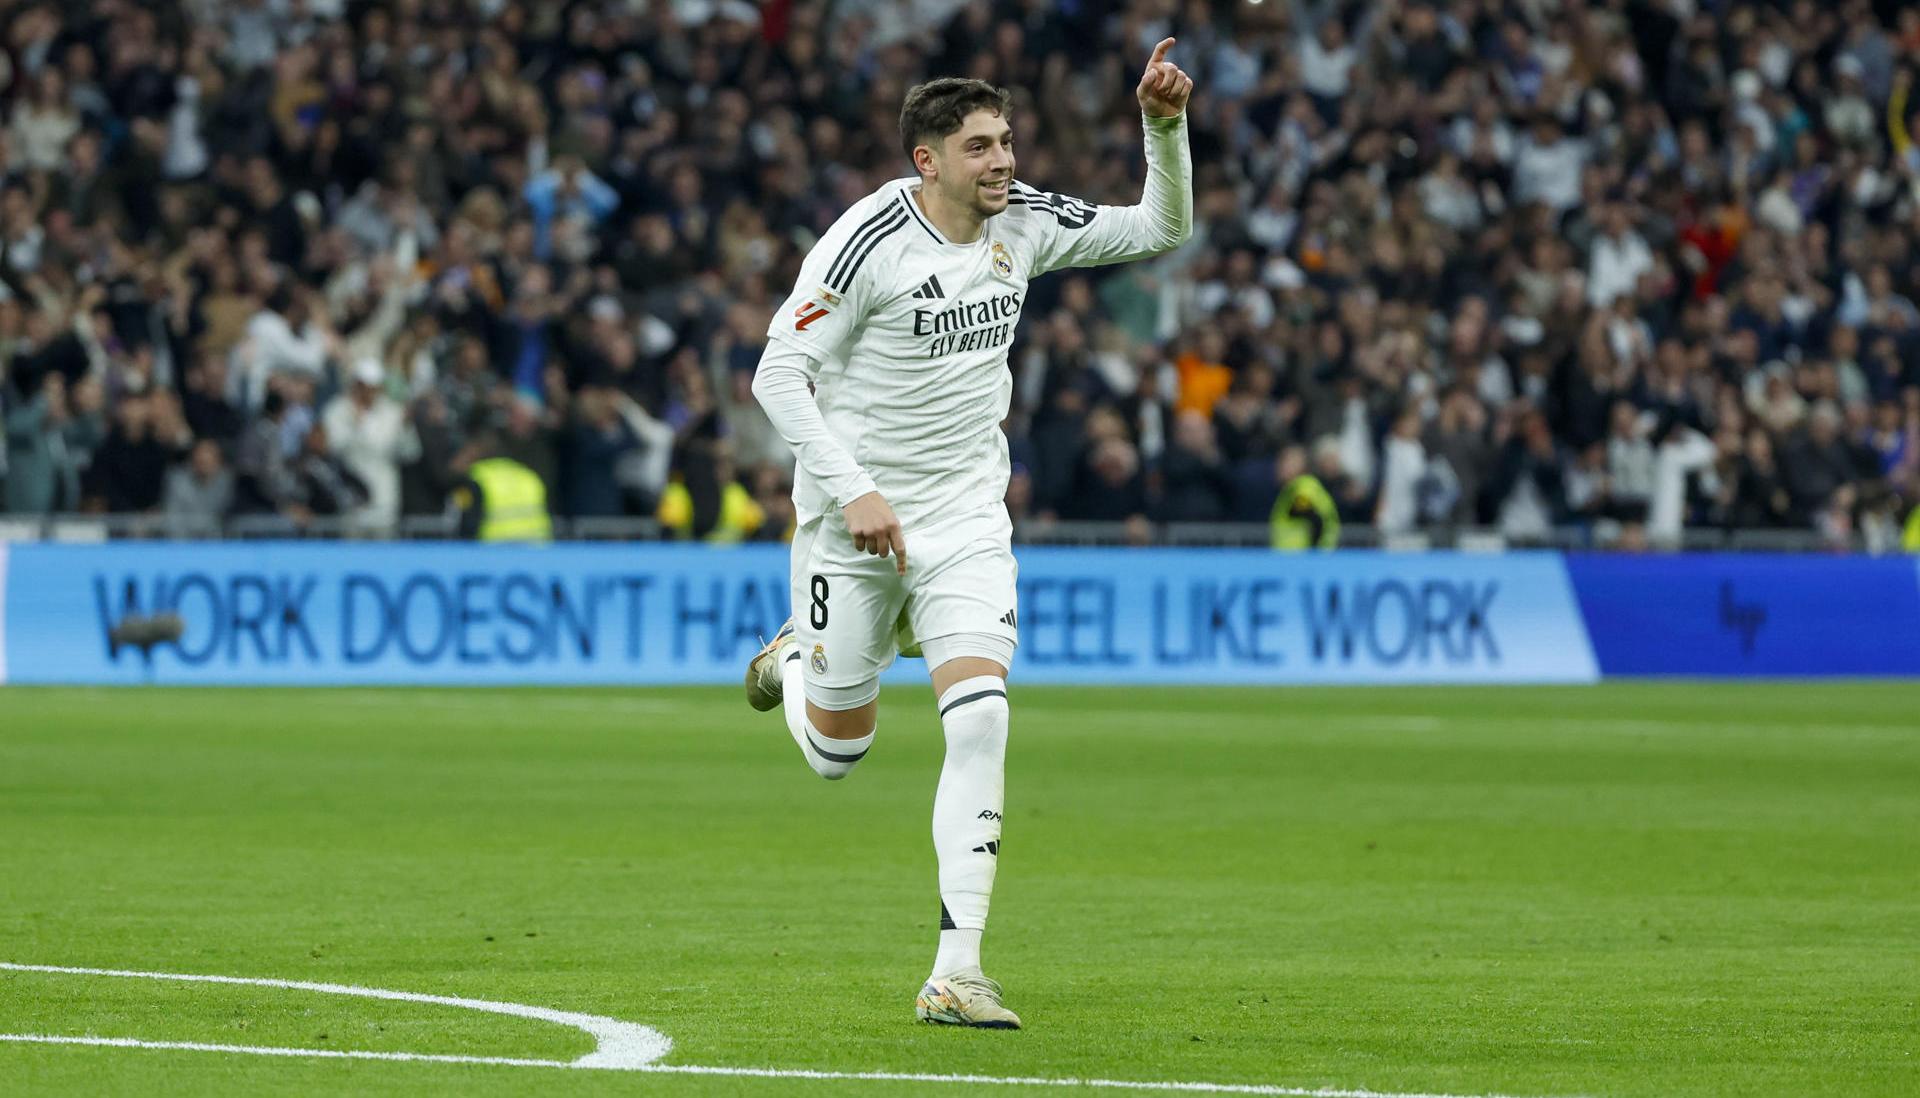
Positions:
{"x": 819, "y": 659}
{"x": 1002, "y": 262}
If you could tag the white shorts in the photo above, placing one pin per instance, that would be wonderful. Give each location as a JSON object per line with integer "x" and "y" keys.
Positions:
{"x": 852, "y": 611}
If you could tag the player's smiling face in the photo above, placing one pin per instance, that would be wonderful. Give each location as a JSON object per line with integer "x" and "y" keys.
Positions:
{"x": 976, "y": 163}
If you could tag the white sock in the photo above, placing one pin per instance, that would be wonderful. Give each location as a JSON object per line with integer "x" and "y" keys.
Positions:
{"x": 834, "y": 759}
{"x": 966, "y": 815}
{"x": 793, "y": 699}
{"x": 959, "y": 952}
{"x": 830, "y": 758}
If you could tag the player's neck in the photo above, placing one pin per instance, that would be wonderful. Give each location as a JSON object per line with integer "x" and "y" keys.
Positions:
{"x": 957, "y": 223}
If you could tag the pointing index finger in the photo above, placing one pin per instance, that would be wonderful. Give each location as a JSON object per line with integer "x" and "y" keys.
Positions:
{"x": 1160, "y": 52}
{"x": 899, "y": 543}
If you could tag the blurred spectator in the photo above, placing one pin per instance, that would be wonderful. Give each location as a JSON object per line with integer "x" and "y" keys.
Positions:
{"x": 1819, "y": 463}
{"x": 707, "y": 500}
{"x": 1402, "y": 464}
{"x": 1761, "y": 499}
{"x": 1458, "y": 439}
{"x": 1629, "y": 466}
{"x": 428, "y": 480}
{"x": 773, "y": 494}
{"x": 209, "y": 414}
{"x": 1304, "y": 516}
{"x": 1110, "y": 484}
{"x": 1194, "y": 483}
{"x": 50, "y": 437}
{"x": 531, "y": 438}
{"x": 369, "y": 433}
{"x": 1351, "y": 498}
{"x": 284, "y": 336}
{"x": 598, "y": 440}
{"x": 265, "y": 482}
{"x": 568, "y": 194}
{"x": 1620, "y": 258}
{"x": 128, "y": 471}
{"x": 327, "y": 486}
{"x": 43, "y": 121}
{"x": 1526, "y": 492}
{"x": 1548, "y": 164}
{"x": 199, "y": 494}
{"x": 498, "y": 499}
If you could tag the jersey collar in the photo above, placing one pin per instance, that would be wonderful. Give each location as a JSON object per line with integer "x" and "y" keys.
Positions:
{"x": 909, "y": 195}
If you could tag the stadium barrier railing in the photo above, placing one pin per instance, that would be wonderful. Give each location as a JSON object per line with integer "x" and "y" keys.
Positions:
{"x": 91, "y": 528}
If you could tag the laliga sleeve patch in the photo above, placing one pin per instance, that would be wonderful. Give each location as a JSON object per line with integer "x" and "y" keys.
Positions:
{"x": 807, "y": 314}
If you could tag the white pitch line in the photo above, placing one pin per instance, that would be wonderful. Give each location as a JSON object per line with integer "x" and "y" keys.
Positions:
{"x": 621, "y": 1046}
{"x": 269, "y": 1050}
{"x": 736, "y": 1072}
{"x": 618, "y": 1044}
{"x": 1036, "y": 1081}
{"x": 1403, "y": 722}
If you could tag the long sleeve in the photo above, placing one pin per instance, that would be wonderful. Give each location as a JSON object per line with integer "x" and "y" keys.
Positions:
{"x": 656, "y": 446}
{"x": 371, "y": 338}
{"x": 276, "y": 346}
{"x": 781, "y": 386}
{"x": 601, "y": 198}
{"x": 1074, "y": 233}
{"x": 821, "y": 317}
{"x": 97, "y": 360}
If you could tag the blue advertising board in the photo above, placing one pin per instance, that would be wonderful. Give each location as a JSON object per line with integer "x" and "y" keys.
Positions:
{"x": 1253, "y": 616}
{"x": 365, "y": 613}
{"x": 1750, "y": 614}
{"x": 319, "y": 613}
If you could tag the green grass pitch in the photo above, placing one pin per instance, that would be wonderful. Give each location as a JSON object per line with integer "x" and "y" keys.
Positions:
{"x": 1635, "y": 889}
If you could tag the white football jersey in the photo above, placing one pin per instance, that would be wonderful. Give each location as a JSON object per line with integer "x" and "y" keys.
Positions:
{"x": 908, "y": 333}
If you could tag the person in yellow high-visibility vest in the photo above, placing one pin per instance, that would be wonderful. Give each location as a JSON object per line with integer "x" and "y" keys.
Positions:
{"x": 706, "y": 500}
{"x": 1910, "y": 538}
{"x": 502, "y": 500}
{"x": 1305, "y": 515}
{"x": 739, "y": 516}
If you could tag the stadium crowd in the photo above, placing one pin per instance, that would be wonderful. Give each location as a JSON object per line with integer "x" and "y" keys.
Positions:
{"x": 1626, "y": 265}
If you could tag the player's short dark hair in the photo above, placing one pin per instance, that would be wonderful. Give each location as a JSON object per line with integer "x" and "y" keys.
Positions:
{"x": 939, "y": 107}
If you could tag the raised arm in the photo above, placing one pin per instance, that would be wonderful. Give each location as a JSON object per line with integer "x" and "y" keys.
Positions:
{"x": 1073, "y": 233}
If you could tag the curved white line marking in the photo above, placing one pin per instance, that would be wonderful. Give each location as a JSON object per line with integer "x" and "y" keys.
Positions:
{"x": 619, "y": 1045}
{"x": 623, "y": 1046}
{"x": 269, "y": 1050}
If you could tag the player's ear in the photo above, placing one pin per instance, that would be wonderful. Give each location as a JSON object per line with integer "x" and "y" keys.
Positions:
{"x": 925, "y": 161}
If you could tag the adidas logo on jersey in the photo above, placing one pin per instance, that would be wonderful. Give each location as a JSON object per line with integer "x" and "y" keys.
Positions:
{"x": 1008, "y": 618}
{"x": 930, "y": 289}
